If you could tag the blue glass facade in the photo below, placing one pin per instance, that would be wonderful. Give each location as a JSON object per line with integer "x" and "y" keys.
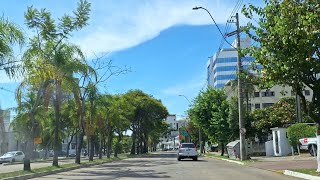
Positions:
{"x": 225, "y": 69}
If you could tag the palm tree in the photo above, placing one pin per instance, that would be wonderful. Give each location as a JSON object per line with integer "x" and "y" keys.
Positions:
{"x": 11, "y": 35}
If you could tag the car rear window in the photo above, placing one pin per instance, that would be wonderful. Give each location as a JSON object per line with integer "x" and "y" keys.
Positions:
{"x": 187, "y": 146}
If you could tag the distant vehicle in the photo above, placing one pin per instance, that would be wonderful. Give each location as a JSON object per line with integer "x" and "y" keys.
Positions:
{"x": 12, "y": 156}
{"x": 306, "y": 144}
{"x": 72, "y": 153}
{"x": 187, "y": 150}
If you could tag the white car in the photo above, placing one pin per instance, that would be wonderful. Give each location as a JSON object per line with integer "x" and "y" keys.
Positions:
{"x": 187, "y": 150}
{"x": 12, "y": 156}
{"x": 307, "y": 143}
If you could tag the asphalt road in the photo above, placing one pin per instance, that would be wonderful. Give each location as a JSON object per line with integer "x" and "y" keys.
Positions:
{"x": 166, "y": 166}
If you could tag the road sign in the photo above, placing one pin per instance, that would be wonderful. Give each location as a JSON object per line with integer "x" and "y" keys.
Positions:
{"x": 37, "y": 140}
{"x": 243, "y": 131}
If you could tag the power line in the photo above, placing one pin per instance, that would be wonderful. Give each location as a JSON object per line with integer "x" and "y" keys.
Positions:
{"x": 226, "y": 29}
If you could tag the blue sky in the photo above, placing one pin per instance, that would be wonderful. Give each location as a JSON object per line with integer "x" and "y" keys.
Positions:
{"x": 164, "y": 42}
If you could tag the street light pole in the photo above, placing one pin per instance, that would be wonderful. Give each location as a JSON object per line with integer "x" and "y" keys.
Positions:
{"x": 242, "y": 130}
{"x": 199, "y": 126}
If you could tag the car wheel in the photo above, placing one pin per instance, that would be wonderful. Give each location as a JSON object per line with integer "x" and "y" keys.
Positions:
{"x": 179, "y": 158}
{"x": 195, "y": 158}
{"x": 13, "y": 160}
{"x": 311, "y": 150}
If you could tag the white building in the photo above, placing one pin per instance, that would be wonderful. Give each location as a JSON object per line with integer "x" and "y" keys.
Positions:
{"x": 262, "y": 98}
{"x": 171, "y": 140}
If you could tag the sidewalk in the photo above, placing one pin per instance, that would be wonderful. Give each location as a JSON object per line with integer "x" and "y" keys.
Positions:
{"x": 304, "y": 161}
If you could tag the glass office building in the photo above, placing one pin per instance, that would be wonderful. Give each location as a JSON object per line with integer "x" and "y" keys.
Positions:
{"x": 222, "y": 67}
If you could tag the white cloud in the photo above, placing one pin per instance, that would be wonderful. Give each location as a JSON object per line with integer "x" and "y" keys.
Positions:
{"x": 120, "y": 24}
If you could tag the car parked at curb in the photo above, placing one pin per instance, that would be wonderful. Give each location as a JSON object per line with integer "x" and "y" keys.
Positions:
{"x": 12, "y": 156}
{"x": 187, "y": 150}
{"x": 309, "y": 144}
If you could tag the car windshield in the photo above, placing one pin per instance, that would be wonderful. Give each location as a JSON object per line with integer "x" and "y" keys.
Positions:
{"x": 9, "y": 154}
{"x": 187, "y": 146}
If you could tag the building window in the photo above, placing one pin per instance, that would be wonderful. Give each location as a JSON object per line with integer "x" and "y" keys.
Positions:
{"x": 267, "y": 93}
{"x": 264, "y": 105}
{"x": 257, "y": 106}
{"x": 307, "y": 92}
{"x": 256, "y": 94}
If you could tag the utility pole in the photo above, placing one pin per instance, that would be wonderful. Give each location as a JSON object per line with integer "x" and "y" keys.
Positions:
{"x": 242, "y": 130}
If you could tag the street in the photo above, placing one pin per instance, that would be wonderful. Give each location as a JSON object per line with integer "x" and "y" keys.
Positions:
{"x": 164, "y": 165}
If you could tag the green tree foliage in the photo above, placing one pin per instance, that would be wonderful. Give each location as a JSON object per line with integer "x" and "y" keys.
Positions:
{"x": 11, "y": 35}
{"x": 298, "y": 131}
{"x": 280, "y": 114}
{"x": 233, "y": 118}
{"x": 288, "y": 39}
{"x": 210, "y": 113}
{"x": 149, "y": 115}
{"x": 50, "y": 61}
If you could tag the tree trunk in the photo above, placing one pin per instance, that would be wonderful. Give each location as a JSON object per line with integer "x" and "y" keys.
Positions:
{"x": 26, "y": 160}
{"x": 222, "y": 149}
{"x": 100, "y": 145}
{"x": 56, "y": 140}
{"x": 68, "y": 147}
{"x": 116, "y": 151}
{"x": 109, "y": 141}
{"x": 145, "y": 143}
{"x": 81, "y": 132}
{"x": 91, "y": 148}
{"x": 104, "y": 146}
{"x": 79, "y": 146}
{"x": 318, "y": 145}
{"x": 133, "y": 147}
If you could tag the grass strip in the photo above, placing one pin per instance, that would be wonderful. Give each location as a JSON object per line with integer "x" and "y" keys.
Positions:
{"x": 312, "y": 172}
{"x": 226, "y": 157}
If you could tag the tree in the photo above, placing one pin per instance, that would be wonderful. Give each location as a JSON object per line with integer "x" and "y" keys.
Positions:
{"x": 147, "y": 115}
{"x": 210, "y": 112}
{"x": 289, "y": 48}
{"x": 11, "y": 35}
{"x": 50, "y": 60}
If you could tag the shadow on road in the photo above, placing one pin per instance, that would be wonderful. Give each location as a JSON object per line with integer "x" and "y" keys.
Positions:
{"x": 160, "y": 155}
{"x": 135, "y": 168}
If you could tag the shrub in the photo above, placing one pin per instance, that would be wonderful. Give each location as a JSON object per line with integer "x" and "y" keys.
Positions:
{"x": 298, "y": 131}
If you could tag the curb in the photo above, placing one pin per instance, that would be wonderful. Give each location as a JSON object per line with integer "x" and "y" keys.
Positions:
{"x": 228, "y": 160}
{"x": 300, "y": 175}
{"x": 40, "y": 174}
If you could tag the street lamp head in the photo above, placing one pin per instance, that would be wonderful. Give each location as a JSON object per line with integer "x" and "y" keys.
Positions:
{"x": 196, "y": 8}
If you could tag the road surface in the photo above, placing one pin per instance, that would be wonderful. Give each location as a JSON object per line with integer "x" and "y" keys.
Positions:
{"x": 165, "y": 166}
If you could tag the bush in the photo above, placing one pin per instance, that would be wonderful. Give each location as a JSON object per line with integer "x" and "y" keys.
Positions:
{"x": 298, "y": 131}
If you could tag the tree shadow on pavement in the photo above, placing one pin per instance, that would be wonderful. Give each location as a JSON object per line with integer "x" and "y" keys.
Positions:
{"x": 163, "y": 155}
